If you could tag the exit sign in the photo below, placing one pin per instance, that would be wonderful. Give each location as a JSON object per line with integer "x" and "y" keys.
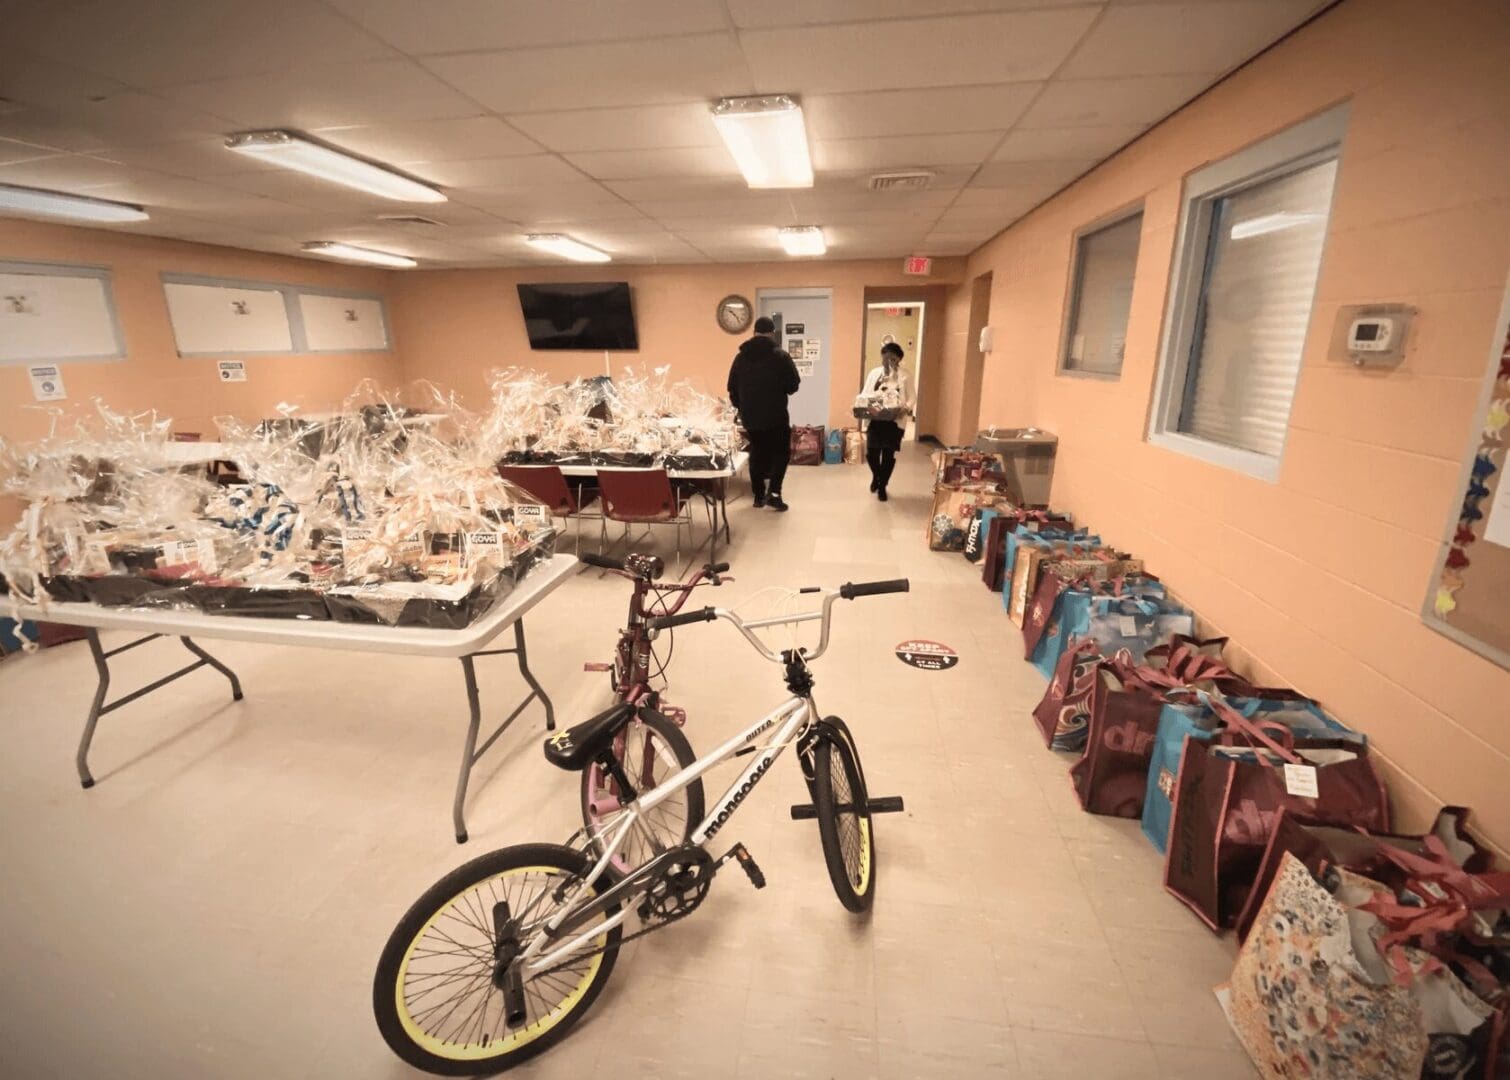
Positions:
{"x": 917, "y": 264}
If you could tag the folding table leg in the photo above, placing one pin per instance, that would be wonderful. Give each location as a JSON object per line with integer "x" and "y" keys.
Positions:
{"x": 102, "y": 667}
{"x": 471, "y": 752}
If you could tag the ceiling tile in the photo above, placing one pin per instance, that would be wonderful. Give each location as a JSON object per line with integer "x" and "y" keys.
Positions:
{"x": 311, "y": 192}
{"x": 1103, "y": 102}
{"x": 648, "y": 127}
{"x": 1059, "y": 144}
{"x": 904, "y": 151}
{"x": 1189, "y": 38}
{"x": 1007, "y": 200}
{"x": 698, "y": 188}
{"x": 762, "y": 13}
{"x": 70, "y": 172}
{"x": 1029, "y": 175}
{"x": 653, "y": 164}
{"x": 535, "y": 170}
{"x": 334, "y": 95}
{"x": 957, "y": 51}
{"x": 193, "y": 197}
{"x": 909, "y": 112}
{"x": 423, "y": 26}
{"x": 431, "y": 140}
{"x": 752, "y": 207}
{"x": 35, "y": 80}
{"x": 12, "y": 151}
{"x": 121, "y": 119}
{"x": 182, "y": 41}
{"x": 200, "y": 159}
{"x": 662, "y": 71}
{"x": 556, "y": 199}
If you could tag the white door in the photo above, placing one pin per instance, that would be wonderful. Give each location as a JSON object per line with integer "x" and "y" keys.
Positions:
{"x": 804, "y": 319}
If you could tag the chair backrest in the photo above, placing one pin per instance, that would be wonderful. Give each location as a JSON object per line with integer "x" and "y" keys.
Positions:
{"x": 544, "y": 482}
{"x": 636, "y": 494}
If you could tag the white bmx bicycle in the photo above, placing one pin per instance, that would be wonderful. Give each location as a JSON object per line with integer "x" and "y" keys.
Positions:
{"x": 497, "y": 961}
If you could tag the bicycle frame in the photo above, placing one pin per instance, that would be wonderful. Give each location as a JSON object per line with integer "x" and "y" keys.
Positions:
{"x": 789, "y": 719}
{"x": 631, "y": 666}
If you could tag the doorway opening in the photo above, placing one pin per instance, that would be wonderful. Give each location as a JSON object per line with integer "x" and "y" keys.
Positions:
{"x": 899, "y": 321}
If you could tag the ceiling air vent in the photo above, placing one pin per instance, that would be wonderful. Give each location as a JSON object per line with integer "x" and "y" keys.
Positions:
{"x": 913, "y": 180}
{"x": 408, "y": 219}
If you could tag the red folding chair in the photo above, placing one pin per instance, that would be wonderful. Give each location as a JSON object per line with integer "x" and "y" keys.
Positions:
{"x": 548, "y": 484}
{"x": 644, "y": 497}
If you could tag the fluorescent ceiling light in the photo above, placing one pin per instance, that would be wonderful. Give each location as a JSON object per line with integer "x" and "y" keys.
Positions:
{"x": 803, "y": 240}
{"x": 567, "y": 248}
{"x": 767, "y": 139}
{"x": 347, "y": 253}
{"x": 23, "y": 200}
{"x": 293, "y": 152}
{"x": 1267, "y": 223}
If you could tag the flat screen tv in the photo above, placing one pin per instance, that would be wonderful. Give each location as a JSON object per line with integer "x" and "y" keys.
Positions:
{"x": 576, "y": 315}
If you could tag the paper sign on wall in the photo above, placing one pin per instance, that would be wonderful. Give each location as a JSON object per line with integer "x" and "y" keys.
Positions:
{"x": 47, "y": 383}
{"x": 796, "y": 328}
{"x": 804, "y": 367}
{"x": 232, "y": 370}
{"x": 811, "y": 347}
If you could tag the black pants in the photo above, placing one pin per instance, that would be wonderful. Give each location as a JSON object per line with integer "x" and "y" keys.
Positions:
{"x": 770, "y": 450}
{"x": 883, "y": 439}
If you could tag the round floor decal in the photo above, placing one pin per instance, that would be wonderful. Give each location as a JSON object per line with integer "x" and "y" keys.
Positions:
{"x": 928, "y": 655}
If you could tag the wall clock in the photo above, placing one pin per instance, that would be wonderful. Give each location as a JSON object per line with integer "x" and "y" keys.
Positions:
{"x": 735, "y": 314}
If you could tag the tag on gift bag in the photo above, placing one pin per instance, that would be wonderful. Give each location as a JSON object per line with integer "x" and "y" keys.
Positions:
{"x": 1300, "y": 781}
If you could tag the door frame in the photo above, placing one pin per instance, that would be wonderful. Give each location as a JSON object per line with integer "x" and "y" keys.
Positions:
{"x": 917, "y": 358}
{"x": 805, "y": 292}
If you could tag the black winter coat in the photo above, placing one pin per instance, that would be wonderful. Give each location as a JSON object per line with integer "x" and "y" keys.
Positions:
{"x": 761, "y": 378}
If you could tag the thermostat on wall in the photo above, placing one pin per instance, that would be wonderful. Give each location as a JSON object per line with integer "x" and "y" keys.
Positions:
{"x": 1375, "y": 334}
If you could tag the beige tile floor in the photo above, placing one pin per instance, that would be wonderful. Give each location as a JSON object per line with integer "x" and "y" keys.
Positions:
{"x": 215, "y": 906}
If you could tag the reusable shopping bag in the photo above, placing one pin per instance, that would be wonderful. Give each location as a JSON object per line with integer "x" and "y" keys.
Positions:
{"x": 854, "y": 446}
{"x": 993, "y": 562}
{"x": 1227, "y": 795}
{"x": 833, "y": 450}
{"x": 1061, "y": 611}
{"x": 975, "y": 535}
{"x": 1137, "y": 624}
{"x": 1177, "y": 722}
{"x": 807, "y": 445}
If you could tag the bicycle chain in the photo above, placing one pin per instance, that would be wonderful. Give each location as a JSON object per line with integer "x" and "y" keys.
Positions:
{"x": 626, "y": 939}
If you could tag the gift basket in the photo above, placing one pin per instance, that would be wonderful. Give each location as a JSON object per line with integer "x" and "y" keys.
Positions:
{"x": 884, "y": 404}
{"x": 380, "y": 520}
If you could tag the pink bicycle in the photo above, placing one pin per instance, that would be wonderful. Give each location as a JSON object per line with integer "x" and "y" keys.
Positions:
{"x": 651, "y": 747}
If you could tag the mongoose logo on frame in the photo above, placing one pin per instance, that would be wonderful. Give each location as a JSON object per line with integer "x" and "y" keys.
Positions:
{"x": 928, "y": 655}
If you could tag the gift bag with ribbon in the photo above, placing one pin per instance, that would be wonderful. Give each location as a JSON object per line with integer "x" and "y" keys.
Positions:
{"x": 1015, "y": 538}
{"x": 1111, "y": 776}
{"x": 1069, "y": 588}
{"x": 1030, "y": 555}
{"x": 1228, "y": 792}
{"x": 1320, "y": 846}
{"x": 854, "y": 446}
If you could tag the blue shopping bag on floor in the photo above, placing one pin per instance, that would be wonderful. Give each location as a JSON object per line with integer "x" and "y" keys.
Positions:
{"x": 1137, "y": 624}
{"x": 1074, "y": 611}
{"x": 833, "y": 448}
{"x": 1176, "y": 721}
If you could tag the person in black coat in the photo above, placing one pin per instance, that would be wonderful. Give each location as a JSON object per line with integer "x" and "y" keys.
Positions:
{"x": 761, "y": 379}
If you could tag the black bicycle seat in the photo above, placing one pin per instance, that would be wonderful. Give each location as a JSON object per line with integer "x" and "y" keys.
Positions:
{"x": 576, "y": 747}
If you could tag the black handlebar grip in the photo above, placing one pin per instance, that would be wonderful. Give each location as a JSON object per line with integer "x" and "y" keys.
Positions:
{"x": 666, "y": 622}
{"x": 874, "y": 588}
{"x": 604, "y": 562}
{"x": 716, "y": 568}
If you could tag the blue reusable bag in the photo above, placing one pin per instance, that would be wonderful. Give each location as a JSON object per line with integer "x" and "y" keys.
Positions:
{"x": 1176, "y": 721}
{"x": 1073, "y": 612}
{"x": 1301, "y": 715}
{"x": 833, "y": 449}
{"x": 1022, "y": 535}
{"x": 1137, "y": 624}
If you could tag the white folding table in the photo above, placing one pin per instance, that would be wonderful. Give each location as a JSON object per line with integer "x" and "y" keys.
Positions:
{"x": 465, "y": 644}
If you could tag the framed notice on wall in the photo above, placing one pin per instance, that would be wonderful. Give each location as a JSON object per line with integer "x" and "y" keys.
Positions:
{"x": 1469, "y": 599}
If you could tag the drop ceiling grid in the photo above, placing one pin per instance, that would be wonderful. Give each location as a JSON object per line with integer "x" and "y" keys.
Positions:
{"x": 1006, "y": 100}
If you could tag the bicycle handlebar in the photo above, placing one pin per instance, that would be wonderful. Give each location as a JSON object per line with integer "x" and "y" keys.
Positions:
{"x": 850, "y": 590}
{"x": 603, "y": 562}
{"x": 666, "y": 622}
{"x": 847, "y": 592}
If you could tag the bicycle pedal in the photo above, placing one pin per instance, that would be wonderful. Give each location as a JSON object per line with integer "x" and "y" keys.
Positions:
{"x": 747, "y": 863}
{"x": 804, "y": 812}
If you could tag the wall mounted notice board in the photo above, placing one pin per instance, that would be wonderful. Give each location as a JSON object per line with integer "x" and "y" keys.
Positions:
{"x": 1469, "y": 599}
{"x": 52, "y": 312}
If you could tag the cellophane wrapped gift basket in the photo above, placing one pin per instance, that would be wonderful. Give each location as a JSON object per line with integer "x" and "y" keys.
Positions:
{"x": 636, "y": 420}
{"x": 378, "y": 515}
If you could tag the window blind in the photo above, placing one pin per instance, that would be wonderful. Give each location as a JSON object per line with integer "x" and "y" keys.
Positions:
{"x": 1105, "y": 262}
{"x": 1262, "y": 257}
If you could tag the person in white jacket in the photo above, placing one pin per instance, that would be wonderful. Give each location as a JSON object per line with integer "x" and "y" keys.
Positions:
{"x": 883, "y": 438}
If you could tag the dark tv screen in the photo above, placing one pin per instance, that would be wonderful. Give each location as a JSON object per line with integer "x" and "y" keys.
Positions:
{"x": 576, "y": 315}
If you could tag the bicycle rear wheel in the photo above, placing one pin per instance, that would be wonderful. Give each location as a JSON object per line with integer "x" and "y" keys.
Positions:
{"x": 433, "y": 994}
{"x": 651, "y": 749}
{"x": 844, "y": 825}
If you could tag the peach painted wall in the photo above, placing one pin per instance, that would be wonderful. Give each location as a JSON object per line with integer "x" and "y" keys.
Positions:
{"x": 1320, "y": 576}
{"x": 153, "y": 376}
{"x": 454, "y": 326}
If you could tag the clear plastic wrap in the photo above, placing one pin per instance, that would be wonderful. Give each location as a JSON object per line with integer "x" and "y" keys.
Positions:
{"x": 381, "y": 512}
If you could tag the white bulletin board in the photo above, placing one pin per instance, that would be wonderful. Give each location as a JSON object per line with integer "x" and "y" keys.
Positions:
{"x": 54, "y": 312}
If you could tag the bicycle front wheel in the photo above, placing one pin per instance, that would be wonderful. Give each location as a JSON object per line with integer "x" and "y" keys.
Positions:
{"x": 651, "y": 749}
{"x": 434, "y": 996}
{"x": 844, "y": 825}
